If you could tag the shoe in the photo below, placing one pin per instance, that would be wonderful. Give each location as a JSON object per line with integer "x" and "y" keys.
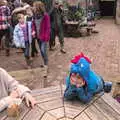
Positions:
{"x": 29, "y": 62}
{"x": 42, "y": 66}
{"x": 107, "y": 87}
{"x": 95, "y": 31}
{"x": 63, "y": 51}
{"x": 52, "y": 48}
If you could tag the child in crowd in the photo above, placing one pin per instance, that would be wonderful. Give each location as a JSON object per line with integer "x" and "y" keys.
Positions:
{"x": 82, "y": 82}
{"x": 41, "y": 26}
{"x": 29, "y": 20}
{"x": 11, "y": 90}
{"x": 21, "y": 38}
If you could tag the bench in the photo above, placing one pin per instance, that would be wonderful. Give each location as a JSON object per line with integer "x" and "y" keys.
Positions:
{"x": 74, "y": 27}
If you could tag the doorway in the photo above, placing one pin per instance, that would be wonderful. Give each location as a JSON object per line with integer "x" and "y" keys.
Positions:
{"x": 107, "y": 7}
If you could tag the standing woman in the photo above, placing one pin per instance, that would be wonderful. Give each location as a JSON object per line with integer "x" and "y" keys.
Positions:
{"x": 41, "y": 27}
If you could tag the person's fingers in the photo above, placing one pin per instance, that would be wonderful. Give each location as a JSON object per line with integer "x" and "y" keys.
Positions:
{"x": 30, "y": 101}
{"x": 27, "y": 102}
{"x": 33, "y": 102}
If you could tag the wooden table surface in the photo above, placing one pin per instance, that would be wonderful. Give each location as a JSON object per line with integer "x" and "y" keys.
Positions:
{"x": 51, "y": 106}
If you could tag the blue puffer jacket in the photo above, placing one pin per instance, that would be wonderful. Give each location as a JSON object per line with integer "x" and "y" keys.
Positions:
{"x": 94, "y": 84}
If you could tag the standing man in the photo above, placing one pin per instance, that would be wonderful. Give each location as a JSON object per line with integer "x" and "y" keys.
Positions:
{"x": 56, "y": 26}
{"x": 5, "y": 17}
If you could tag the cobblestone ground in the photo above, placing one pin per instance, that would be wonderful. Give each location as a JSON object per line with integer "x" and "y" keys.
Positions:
{"x": 102, "y": 48}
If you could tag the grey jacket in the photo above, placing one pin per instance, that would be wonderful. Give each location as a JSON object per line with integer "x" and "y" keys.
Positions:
{"x": 8, "y": 84}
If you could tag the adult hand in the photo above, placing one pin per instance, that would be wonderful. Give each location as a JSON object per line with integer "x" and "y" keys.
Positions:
{"x": 30, "y": 101}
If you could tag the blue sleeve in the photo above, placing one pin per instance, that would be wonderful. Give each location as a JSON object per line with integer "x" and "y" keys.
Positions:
{"x": 70, "y": 91}
{"x": 67, "y": 81}
{"x": 83, "y": 95}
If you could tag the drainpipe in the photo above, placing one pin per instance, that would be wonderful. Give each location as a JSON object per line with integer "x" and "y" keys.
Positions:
{"x": 86, "y": 7}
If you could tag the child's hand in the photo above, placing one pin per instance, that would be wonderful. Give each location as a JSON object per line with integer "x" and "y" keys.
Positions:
{"x": 80, "y": 85}
{"x": 33, "y": 34}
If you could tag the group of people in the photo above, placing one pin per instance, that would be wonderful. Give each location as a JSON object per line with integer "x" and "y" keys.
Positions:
{"x": 32, "y": 23}
{"x": 35, "y": 24}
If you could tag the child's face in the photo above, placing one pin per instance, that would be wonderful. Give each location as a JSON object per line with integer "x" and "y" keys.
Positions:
{"x": 21, "y": 19}
{"x": 29, "y": 12}
{"x": 77, "y": 80}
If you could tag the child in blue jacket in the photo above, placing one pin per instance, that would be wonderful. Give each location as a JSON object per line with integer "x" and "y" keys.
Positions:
{"x": 82, "y": 82}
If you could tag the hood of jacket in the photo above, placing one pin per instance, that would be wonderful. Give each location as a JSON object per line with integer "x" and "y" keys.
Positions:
{"x": 82, "y": 67}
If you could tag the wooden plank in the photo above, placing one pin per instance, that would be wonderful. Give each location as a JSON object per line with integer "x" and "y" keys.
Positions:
{"x": 51, "y": 104}
{"x": 74, "y": 108}
{"x": 82, "y": 116}
{"x": 3, "y": 115}
{"x": 48, "y": 90}
{"x": 48, "y": 97}
{"x": 58, "y": 113}
{"x": 107, "y": 110}
{"x": 94, "y": 114}
{"x": 48, "y": 116}
{"x": 23, "y": 111}
{"x": 65, "y": 119}
{"x": 35, "y": 114}
{"x": 75, "y": 105}
{"x": 45, "y": 90}
{"x": 71, "y": 112}
{"x": 112, "y": 102}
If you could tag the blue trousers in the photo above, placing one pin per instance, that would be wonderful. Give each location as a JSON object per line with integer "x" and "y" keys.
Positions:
{"x": 43, "y": 50}
{"x": 26, "y": 50}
